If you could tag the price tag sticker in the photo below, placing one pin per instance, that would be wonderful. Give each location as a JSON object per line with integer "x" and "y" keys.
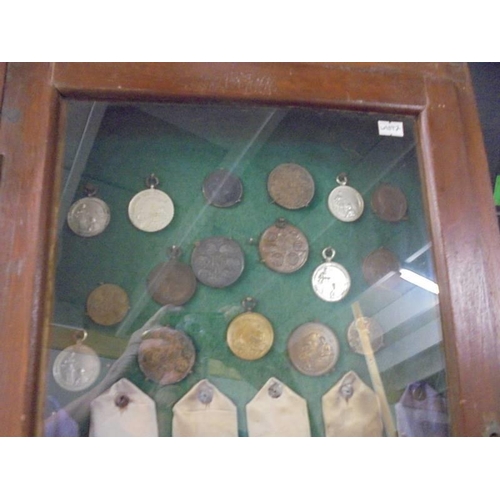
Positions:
{"x": 394, "y": 129}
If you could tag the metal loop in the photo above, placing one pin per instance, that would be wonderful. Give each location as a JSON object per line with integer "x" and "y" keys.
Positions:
{"x": 249, "y": 304}
{"x": 174, "y": 252}
{"x": 328, "y": 254}
{"x": 90, "y": 190}
{"x": 152, "y": 181}
{"x": 281, "y": 223}
{"x": 80, "y": 336}
{"x": 342, "y": 179}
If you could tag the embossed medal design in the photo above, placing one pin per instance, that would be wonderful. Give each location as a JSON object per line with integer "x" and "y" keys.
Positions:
{"x": 250, "y": 335}
{"x": 291, "y": 186}
{"x": 330, "y": 281}
{"x": 283, "y": 247}
{"x": 376, "y": 335}
{"x": 151, "y": 210}
{"x": 344, "y": 202}
{"x": 107, "y": 304}
{"x": 166, "y": 356}
{"x": 89, "y": 216}
{"x": 389, "y": 203}
{"x": 378, "y": 264}
{"x": 222, "y": 188}
{"x": 172, "y": 282}
{"x": 77, "y": 367}
{"x": 313, "y": 349}
{"x": 217, "y": 261}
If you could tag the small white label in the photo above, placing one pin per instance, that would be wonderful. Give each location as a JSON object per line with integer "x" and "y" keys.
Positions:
{"x": 390, "y": 128}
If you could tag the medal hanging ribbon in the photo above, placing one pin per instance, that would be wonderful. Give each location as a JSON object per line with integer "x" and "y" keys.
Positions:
{"x": 205, "y": 412}
{"x": 277, "y": 411}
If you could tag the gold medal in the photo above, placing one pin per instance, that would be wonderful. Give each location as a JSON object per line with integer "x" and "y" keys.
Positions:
{"x": 250, "y": 335}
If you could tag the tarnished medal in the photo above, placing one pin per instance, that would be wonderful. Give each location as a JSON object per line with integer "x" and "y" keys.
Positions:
{"x": 172, "y": 282}
{"x": 250, "y": 335}
{"x": 378, "y": 264}
{"x": 291, "y": 186}
{"x": 222, "y": 188}
{"x": 313, "y": 349}
{"x": 217, "y": 261}
{"x": 166, "y": 356}
{"x": 330, "y": 281}
{"x": 376, "y": 335}
{"x": 77, "y": 367}
{"x": 89, "y": 216}
{"x": 151, "y": 210}
{"x": 107, "y": 304}
{"x": 283, "y": 247}
{"x": 389, "y": 203}
{"x": 344, "y": 202}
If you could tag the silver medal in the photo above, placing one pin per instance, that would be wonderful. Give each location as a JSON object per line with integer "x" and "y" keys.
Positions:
{"x": 89, "y": 216}
{"x": 330, "y": 281}
{"x": 151, "y": 210}
{"x": 344, "y": 202}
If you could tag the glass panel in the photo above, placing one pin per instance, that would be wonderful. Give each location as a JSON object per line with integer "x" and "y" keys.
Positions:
{"x": 293, "y": 258}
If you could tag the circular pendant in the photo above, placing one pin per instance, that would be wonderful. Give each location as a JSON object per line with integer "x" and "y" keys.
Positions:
{"x": 166, "y": 356}
{"x": 107, "y": 304}
{"x": 330, "y": 281}
{"x": 151, "y": 210}
{"x": 291, "y": 186}
{"x": 89, "y": 216}
{"x": 344, "y": 202}
{"x": 172, "y": 282}
{"x": 389, "y": 203}
{"x": 378, "y": 264}
{"x": 217, "y": 261}
{"x": 313, "y": 349}
{"x": 77, "y": 367}
{"x": 250, "y": 335}
{"x": 375, "y": 332}
{"x": 283, "y": 247}
{"x": 222, "y": 188}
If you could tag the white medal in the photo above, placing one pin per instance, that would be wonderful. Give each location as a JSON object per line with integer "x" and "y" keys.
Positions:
{"x": 344, "y": 202}
{"x": 89, "y": 216}
{"x": 330, "y": 281}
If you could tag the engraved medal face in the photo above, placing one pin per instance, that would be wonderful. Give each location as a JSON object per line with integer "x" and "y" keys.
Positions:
{"x": 151, "y": 210}
{"x": 250, "y": 335}
{"x": 283, "y": 247}
{"x": 389, "y": 203}
{"x": 76, "y": 368}
{"x": 88, "y": 216}
{"x": 313, "y": 349}
{"x": 330, "y": 281}
{"x": 172, "y": 282}
{"x": 222, "y": 189}
{"x": 217, "y": 261}
{"x": 291, "y": 186}
{"x": 375, "y": 332}
{"x": 344, "y": 202}
{"x": 378, "y": 264}
{"x": 166, "y": 356}
{"x": 107, "y": 304}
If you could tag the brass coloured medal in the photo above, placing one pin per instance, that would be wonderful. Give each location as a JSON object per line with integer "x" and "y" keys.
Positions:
{"x": 107, "y": 304}
{"x": 389, "y": 203}
{"x": 89, "y": 216}
{"x": 330, "y": 281}
{"x": 344, "y": 202}
{"x": 378, "y": 264}
{"x": 222, "y": 188}
{"x": 291, "y": 186}
{"x": 376, "y": 335}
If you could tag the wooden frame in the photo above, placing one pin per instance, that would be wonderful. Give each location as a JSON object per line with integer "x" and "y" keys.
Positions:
{"x": 461, "y": 214}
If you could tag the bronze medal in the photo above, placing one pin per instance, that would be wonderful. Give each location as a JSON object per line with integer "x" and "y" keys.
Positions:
{"x": 291, "y": 186}
{"x": 222, "y": 189}
{"x": 378, "y": 264}
{"x": 389, "y": 203}
{"x": 172, "y": 282}
{"x": 250, "y": 335}
{"x": 376, "y": 335}
{"x": 107, "y": 304}
{"x": 166, "y": 356}
{"x": 283, "y": 247}
{"x": 313, "y": 349}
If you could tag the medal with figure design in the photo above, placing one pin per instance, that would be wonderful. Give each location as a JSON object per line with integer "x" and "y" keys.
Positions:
{"x": 344, "y": 202}
{"x": 330, "y": 281}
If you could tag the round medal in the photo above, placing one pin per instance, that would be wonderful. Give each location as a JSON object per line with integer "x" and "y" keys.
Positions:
{"x": 313, "y": 349}
{"x": 283, "y": 247}
{"x": 378, "y": 264}
{"x": 166, "y": 356}
{"x": 375, "y": 331}
{"x": 89, "y": 216}
{"x": 217, "y": 261}
{"x": 389, "y": 203}
{"x": 250, "y": 335}
{"x": 330, "y": 281}
{"x": 107, "y": 304}
{"x": 222, "y": 188}
{"x": 151, "y": 210}
{"x": 344, "y": 202}
{"x": 172, "y": 282}
{"x": 77, "y": 367}
{"x": 291, "y": 186}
